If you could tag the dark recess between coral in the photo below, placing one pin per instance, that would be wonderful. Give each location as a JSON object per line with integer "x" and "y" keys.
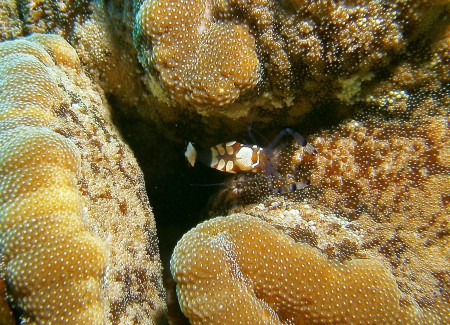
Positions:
{"x": 177, "y": 204}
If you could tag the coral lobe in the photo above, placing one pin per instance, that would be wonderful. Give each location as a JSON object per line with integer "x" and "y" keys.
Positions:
{"x": 43, "y": 237}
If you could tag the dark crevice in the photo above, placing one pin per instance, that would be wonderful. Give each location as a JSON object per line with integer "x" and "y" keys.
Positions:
{"x": 177, "y": 205}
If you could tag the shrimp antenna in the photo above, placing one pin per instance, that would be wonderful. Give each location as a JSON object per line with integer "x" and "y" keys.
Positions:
{"x": 212, "y": 184}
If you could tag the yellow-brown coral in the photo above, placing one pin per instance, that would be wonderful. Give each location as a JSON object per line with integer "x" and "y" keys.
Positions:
{"x": 386, "y": 176}
{"x": 51, "y": 261}
{"x": 59, "y": 103}
{"x": 312, "y": 54}
{"x": 199, "y": 61}
{"x": 241, "y": 270}
{"x": 309, "y": 55}
{"x": 301, "y": 55}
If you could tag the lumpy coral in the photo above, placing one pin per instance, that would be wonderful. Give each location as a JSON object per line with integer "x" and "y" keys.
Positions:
{"x": 220, "y": 59}
{"x": 379, "y": 187}
{"x": 198, "y": 61}
{"x": 77, "y": 237}
{"x": 262, "y": 276}
{"x": 204, "y": 65}
{"x": 51, "y": 261}
{"x": 379, "y": 184}
{"x": 370, "y": 78}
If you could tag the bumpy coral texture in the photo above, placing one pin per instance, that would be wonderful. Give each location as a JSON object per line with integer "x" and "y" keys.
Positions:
{"x": 379, "y": 185}
{"x": 199, "y": 61}
{"x": 86, "y": 180}
{"x": 291, "y": 53}
{"x": 391, "y": 56}
{"x": 208, "y": 65}
{"x": 262, "y": 276}
{"x": 9, "y": 16}
{"x": 51, "y": 263}
{"x": 384, "y": 175}
{"x": 393, "y": 177}
{"x": 386, "y": 178}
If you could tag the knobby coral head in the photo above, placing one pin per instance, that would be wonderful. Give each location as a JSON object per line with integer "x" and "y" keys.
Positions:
{"x": 198, "y": 60}
{"x": 241, "y": 270}
{"x": 51, "y": 264}
{"x": 201, "y": 53}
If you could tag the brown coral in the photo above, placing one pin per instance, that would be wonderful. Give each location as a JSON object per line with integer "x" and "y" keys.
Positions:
{"x": 261, "y": 276}
{"x": 198, "y": 61}
{"x": 309, "y": 53}
{"x": 297, "y": 54}
{"x": 393, "y": 177}
{"x": 51, "y": 260}
{"x": 69, "y": 157}
{"x": 386, "y": 175}
{"x": 191, "y": 48}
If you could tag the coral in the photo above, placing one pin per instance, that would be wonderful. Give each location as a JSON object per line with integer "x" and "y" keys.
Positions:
{"x": 286, "y": 58}
{"x": 293, "y": 49}
{"x": 380, "y": 186}
{"x": 92, "y": 230}
{"x": 47, "y": 16}
{"x": 6, "y": 314}
{"x": 51, "y": 260}
{"x": 262, "y": 276}
{"x": 393, "y": 177}
{"x": 9, "y": 16}
{"x": 109, "y": 63}
{"x": 198, "y": 61}
{"x": 303, "y": 37}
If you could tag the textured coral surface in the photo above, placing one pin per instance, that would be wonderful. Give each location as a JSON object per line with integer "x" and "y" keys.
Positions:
{"x": 203, "y": 65}
{"x": 199, "y": 61}
{"x": 78, "y": 239}
{"x": 380, "y": 187}
{"x": 51, "y": 261}
{"x": 221, "y": 58}
{"x": 367, "y": 82}
{"x": 262, "y": 276}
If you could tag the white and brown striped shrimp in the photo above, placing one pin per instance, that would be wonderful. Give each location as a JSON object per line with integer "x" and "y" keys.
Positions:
{"x": 234, "y": 157}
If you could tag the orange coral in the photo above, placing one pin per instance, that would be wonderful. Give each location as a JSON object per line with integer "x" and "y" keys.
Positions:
{"x": 72, "y": 197}
{"x": 241, "y": 270}
{"x": 50, "y": 259}
{"x": 199, "y": 61}
{"x": 387, "y": 174}
{"x": 293, "y": 48}
{"x": 393, "y": 177}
